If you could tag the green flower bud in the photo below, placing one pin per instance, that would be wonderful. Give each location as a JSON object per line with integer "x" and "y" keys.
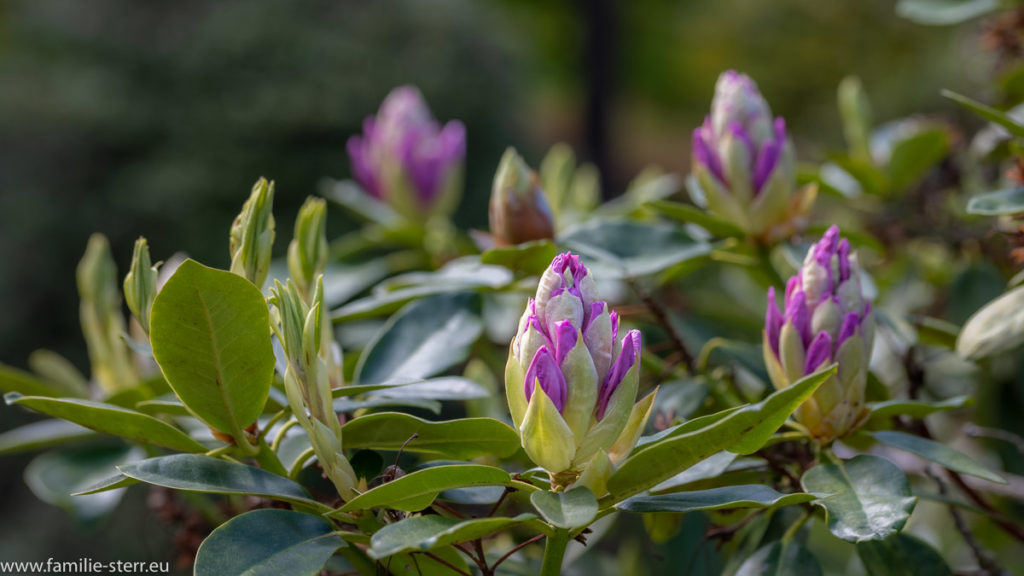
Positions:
{"x": 307, "y": 253}
{"x": 140, "y": 284}
{"x": 102, "y": 320}
{"x": 252, "y": 234}
{"x": 519, "y": 212}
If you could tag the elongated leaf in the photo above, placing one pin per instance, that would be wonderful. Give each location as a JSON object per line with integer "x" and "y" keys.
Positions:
{"x": 528, "y": 258}
{"x": 901, "y": 554}
{"x": 1010, "y": 201}
{"x": 576, "y": 508}
{"x": 866, "y": 497}
{"x": 635, "y": 249}
{"x": 417, "y": 490}
{"x": 440, "y": 388}
{"x": 15, "y": 380}
{"x": 998, "y": 327}
{"x": 422, "y": 533}
{"x": 938, "y": 453}
{"x": 423, "y": 339}
{"x": 205, "y": 474}
{"x": 457, "y": 439}
{"x": 54, "y": 476}
{"x": 42, "y": 434}
{"x": 111, "y": 419}
{"x": 781, "y": 559}
{"x": 112, "y": 482}
{"x": 742, "y": 431}
{"x": 916, "y": 408}
{"x": 710, "y": 467}
{"x": 691, "y": 214}
{"x": 914, "y": 155}
{"x": 211, "y": 337}
{"x": 268, "y": 542}
{"x": 987, "y": 112}
{"x": 945, "y": 12}
{"x": 745, "y": 496}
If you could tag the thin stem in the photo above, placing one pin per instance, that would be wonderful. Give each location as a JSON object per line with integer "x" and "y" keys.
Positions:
{"x": 281, "y": 434}
{"x": 515, "y": 549}
{"x": 792, "y": 531}
{"x": 661, "y": 317}
{"x": 554, "y": 553}
{"x": 500, "y": 501}
{"x": 273, "y": 420}
{"x": 982, "y": 556}
{"x": 440, "y": 560}
{"x": 300, "y": 462}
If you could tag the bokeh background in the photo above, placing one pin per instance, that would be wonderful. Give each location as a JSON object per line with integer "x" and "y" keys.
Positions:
{"x": 155, "y": 118}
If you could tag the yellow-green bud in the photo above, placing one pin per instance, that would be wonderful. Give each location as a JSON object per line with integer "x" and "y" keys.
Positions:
{"x": 307, "y": 253}
{"x": 252, "y": 234}
{"x": 140, "y": 284}
{"x": 102, "y": 320}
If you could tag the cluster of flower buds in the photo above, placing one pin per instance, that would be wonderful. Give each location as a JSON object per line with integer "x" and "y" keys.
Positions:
{"x": 103, "y": 323}
{"x": 252, "y": 234}
{"x": 519, "y": 212}
{"x": 406, "y": 159}
{"x": 826, "y": 320}
{"x": 745, "y": 163}
{"x": 571, "y": 383}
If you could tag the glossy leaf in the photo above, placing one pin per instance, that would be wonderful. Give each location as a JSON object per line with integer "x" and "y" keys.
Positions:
{"x": 901, "y": 554}
{"x": 573, "y": 509}
{"x": 527, "y": 258}
{"x": 112, "y": 482}
{"x": 938, "y": 453}
{"x": 999, "y": 203}
{"x": 998, "y": 327}
{"x": 865, "y": 497}
{"x": 42, "y": 434}
{"x": 728, "y": 497}
{"x": 111, "y": 419}
{"x": 422, "y": 533}
{"x": 211, "y": 337}
{"x": 457, "y": 439}
{"x": 632, "y": 248}
{"x": 205, "y": 474}
{"x": 268, "y": 542}
{"x": 742, "y": 431}
{"x": 415, "y": 491}
{"x": 781, "y": 559}
{"x": 423, "y": 339}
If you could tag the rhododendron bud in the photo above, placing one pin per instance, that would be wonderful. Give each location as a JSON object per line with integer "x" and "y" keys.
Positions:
{"x": 519, "y": 212}
{"x": 307, "y": 252}
{"x": 252, "y": 234}
{"x": 826, "y": 319}
{"x": 571, "y": 382}
{"x": 140, "y": 284}
{"x": 744, "y": 162}
{"x": 408, "y": 160}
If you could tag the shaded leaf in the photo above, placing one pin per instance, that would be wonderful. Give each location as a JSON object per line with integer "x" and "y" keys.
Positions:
{"x": 938, "y": 453}
{"x": 781, "y": 559}
{"x": 945, "y": 12}
{"x": 457, "y": 439}
{"x": 422, "y": 533}
{"x": 415, "y": 491}
{"x": 987, "y": 112}
{"x": 42, "y": 434}
{"x": 899, "y": 555}
{"x": 573, "y": 509}
{"x": 632, "y": 248}
{"x": 1001, "y": 202}
{"x": 528, "y": 258}
{"x": 745, "y": 496}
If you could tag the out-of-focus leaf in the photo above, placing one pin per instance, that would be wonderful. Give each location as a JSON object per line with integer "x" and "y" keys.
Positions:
{"x": 913, "y": 156}
{"x": 945, "y": 12}
{"x": 112, "y": 482}
{"x": 60, "y": 372}
{"x": 54, "y": 476}
{"x": 268, "y": 542}
{"x": 866, "y": 497}
{"x": 423, "y": 339}
{"x": 998, "y": 327}
{"x": 15, "y": 380}
{"x": 635, "y": 248}
{"x": 42, "y": 434}
{"x": 350, "y": 196}
{"x": 692, "y": 215}
{"x": 527, "y": 258}
{"x": 938, "y": 453}
{"x": 710, "y": 467}
{"x": 987, "y": 112}
{"x": 781, "y": 559}
{"x": 573, "y": 509}
{"x": 416, "y": 490}
{"x": 1009, "y": 201}
{"x": 916, "y": 408}
{"x": 457, "y": 439}
{"x": 727, "y": 497}
{"x": 422, "y": 533}
{"x": 935, "y": 332}
{"x": 901, "y": 554}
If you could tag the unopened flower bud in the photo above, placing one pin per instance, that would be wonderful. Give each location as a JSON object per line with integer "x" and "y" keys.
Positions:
{"x": 102, "y": 320}
{"x": 826, "y": 319}
{"x": 519, "y": 212}
{"x": 252, "y": 234}
{"x": 307, "y": 252}
{"x": 140, "y": 284}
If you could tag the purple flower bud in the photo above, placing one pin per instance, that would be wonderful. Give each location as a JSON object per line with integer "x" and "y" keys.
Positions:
{"x": 544, "y": 371}
{"x": 565, "y": 339}
{"x": 773, "y": 321}
{"x": 797, "y": 313}
{"x": 628, "y": 357}
{"x": 819, "y": 352}
{"x": 404, "y": 145}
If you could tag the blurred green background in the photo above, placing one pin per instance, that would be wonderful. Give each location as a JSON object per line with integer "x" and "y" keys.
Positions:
{"x": 133, "y": 118}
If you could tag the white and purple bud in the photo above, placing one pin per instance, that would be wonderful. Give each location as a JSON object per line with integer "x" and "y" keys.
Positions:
{"x": 825, "y": 319}
{"x": 407, "y": 159}
{"x": 744, "y": 161}
{"x": 571, "y": 382}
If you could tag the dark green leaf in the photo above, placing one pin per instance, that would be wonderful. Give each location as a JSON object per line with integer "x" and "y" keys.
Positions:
{"x": 573, "y": 509}
{"x": 112, "y": 482}
{"x": 211, "y": 337}
{"x": 745, "y": 496}
{"x": 866, "y": 497}
{"x": 781, "y": 559}
{"x": 42, "y": 434}
{"x": 349, "y": 195}
{"x": 692, "y": 215}
{"x": 633, "y": 248}
{"x": 916, "y": 408}
{"x": 900, "y": 555}
{"x": 987, "y": 112}
{"x": 14, "y": 380}
{"x": 938, "y": 453}
{"x": 913, "y": 156}
{"x": 415, "y": 491}
{"x": 457, "y": 439}
{"x": 999, "y": 203}
{"x": 268, "y": 542}
{"x": 527, "y": 258}
{"x": 54, "y": 476}
{"x": 422, "y": 533}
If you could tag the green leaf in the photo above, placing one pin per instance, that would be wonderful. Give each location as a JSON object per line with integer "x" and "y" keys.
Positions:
{"x": 423, "y": 339}
{"x": 59, "y": 372}
{"x": 744, "y": 496}
{"x": 458, "y": 439}
{"x": 573, "y": 509}
{"x": 210, "y": 332}
{"x": 901, "y": 554}
{"x": 167, "y": 405}
{"x": 42, "y": 434}
{"x": 527, "y": 258}
{"x": 357, "y": 201}
{"x": 987, "y": 112}
{"x": 938, "y": 453}
{"x": 913, "y": 156}
{"x": 15, "y": 380}
{"x": 54, "y": 476}
{"x": 205, "y": 474}
{"x": 112, "y": 482}
{"x": 998, "y": 327}
{"x": 742, "y": 431}
{"x": 692, "y": 215}
{"x": 633, "y": 248}
{"x": 409, "y": 564}
{"x": 269, "y": 542}
{"x": 443, "y": 388}
{"x": 111, "y": 419}
{"x": 422, "y": 533}
{"x": 415, "y": 491}
{"x": 945, "y": 12}
{"x": 998, "y": 203}
{"x": 916, "y": 408}
{"x": 780, "y": 559}
{"x": 866, "y": 497}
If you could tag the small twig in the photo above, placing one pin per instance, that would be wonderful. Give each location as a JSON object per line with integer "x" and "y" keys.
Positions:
{"x": 448, "y": 509}
{"x": 661, "y": 317}
{"x": 985, "y": 559}
{"x": 517, "y": 548}
{"x": 500, "y": 501}
{"x": 727, "y": 532}
{"x": 440, "y": 560}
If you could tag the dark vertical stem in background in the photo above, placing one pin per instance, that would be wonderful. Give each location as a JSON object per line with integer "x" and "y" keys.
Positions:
{"x": 598, "y": 60}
